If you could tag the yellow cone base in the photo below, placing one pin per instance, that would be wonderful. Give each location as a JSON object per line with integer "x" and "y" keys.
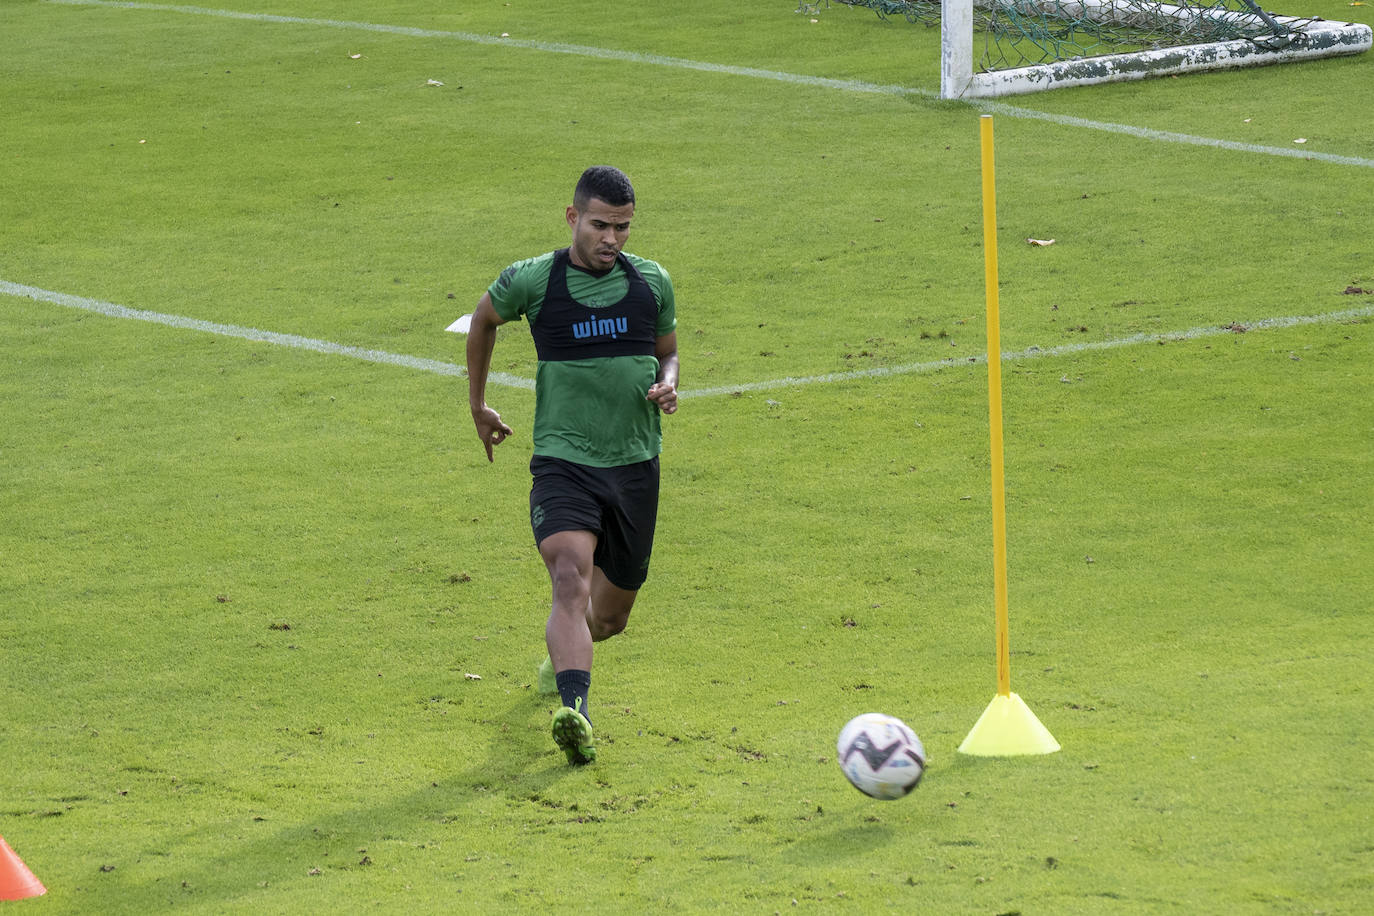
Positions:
{"x": 1007, "y": 728}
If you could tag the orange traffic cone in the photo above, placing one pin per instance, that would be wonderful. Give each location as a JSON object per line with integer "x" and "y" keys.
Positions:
{"x": 16, "y": 881}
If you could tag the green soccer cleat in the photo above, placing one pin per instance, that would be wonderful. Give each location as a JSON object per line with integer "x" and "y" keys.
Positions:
{"x": 573, "y": 734}
{"x": 547, "y": 685}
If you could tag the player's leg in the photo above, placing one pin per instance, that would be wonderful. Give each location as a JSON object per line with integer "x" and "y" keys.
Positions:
{"x": 609, "y": 608}
{"x": 568, "y": 557}
{"x": 565, "y": 515}
{"x": 608, "y": 611}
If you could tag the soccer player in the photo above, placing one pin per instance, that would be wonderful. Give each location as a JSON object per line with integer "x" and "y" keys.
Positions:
{"x": 604, "y": 326}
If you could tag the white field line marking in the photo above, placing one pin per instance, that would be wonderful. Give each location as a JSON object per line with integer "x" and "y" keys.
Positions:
{"x": 796, "y": 79}
{"x": 230, "y": 330}
{"x": 111, "y": 310}
{"x": 1030, "y": 353}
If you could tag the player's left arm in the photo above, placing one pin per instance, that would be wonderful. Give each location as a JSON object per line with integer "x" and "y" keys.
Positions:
{"x": 664, "y": 390}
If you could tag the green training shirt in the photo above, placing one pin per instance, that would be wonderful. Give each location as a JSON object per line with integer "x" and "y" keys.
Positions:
{"x": 591, "y": 411}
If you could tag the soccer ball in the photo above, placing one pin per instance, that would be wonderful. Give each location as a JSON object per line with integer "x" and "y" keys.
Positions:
{"x": 881, "y": 756}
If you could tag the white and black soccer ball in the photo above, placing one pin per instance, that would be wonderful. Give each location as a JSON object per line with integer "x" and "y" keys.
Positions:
{"x": 881, "y": 756}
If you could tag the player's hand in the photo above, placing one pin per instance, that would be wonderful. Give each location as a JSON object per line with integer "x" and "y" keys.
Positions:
{"x": 665, "y": 396}
{"x": 490, "y": 429}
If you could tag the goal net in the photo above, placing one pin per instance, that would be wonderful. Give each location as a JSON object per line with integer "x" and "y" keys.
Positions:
{"x": 1004, "y": 47}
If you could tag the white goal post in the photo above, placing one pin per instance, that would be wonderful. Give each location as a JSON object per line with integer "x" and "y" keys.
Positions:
{"x": 1285, "y": 39}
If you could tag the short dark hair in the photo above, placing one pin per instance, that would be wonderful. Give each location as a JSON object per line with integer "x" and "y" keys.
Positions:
{"x": 605, "y": 183}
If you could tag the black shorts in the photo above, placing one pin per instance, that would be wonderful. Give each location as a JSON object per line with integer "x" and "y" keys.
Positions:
{"x": 619, "y": 505}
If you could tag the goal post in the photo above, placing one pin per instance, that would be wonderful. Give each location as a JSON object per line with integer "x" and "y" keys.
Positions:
{"x": 991, "y": 48}
{"x": 1269, "y": 40}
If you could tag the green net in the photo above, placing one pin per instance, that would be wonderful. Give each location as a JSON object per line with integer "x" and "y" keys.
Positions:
{"x": 1017, "y": 33}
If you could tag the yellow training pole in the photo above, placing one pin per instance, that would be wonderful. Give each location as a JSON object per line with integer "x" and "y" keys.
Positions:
{"x": 1007, "y": 727}
{"x": 999, "y": 498}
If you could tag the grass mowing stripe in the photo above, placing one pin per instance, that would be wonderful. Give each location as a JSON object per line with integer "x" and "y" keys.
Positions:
{"x": 439, "y": 367}
{"x": 1011, "y": 111}
{"x": 552, "y": 47}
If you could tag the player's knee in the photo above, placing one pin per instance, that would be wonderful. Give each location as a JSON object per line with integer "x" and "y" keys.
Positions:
{"x": 605, "y": 627}
{"x": 571, "y": 586}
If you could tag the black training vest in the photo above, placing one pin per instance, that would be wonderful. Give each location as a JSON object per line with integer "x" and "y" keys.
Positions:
{"x": 566, "y": 329}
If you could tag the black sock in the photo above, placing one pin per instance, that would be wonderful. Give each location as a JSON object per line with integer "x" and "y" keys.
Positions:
{"x": 573, "y": 685}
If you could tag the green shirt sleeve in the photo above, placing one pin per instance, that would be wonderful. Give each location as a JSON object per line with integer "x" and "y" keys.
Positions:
{"x": 667, "y": 304}
{"x": 519, "y": 291}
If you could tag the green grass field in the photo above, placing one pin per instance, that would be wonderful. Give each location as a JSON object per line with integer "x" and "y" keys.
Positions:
{"x": 269, "y": 620}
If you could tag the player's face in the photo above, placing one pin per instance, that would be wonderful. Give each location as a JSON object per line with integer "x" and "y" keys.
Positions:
{"x": 599, "y": 231}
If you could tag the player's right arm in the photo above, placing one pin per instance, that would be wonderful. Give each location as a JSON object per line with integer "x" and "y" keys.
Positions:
{"x": 481, "y": 342}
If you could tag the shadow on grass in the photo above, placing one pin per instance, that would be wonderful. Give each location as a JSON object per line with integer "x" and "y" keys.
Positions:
{"x": 329, "y": 842}
{"x": 842, "y": 844}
